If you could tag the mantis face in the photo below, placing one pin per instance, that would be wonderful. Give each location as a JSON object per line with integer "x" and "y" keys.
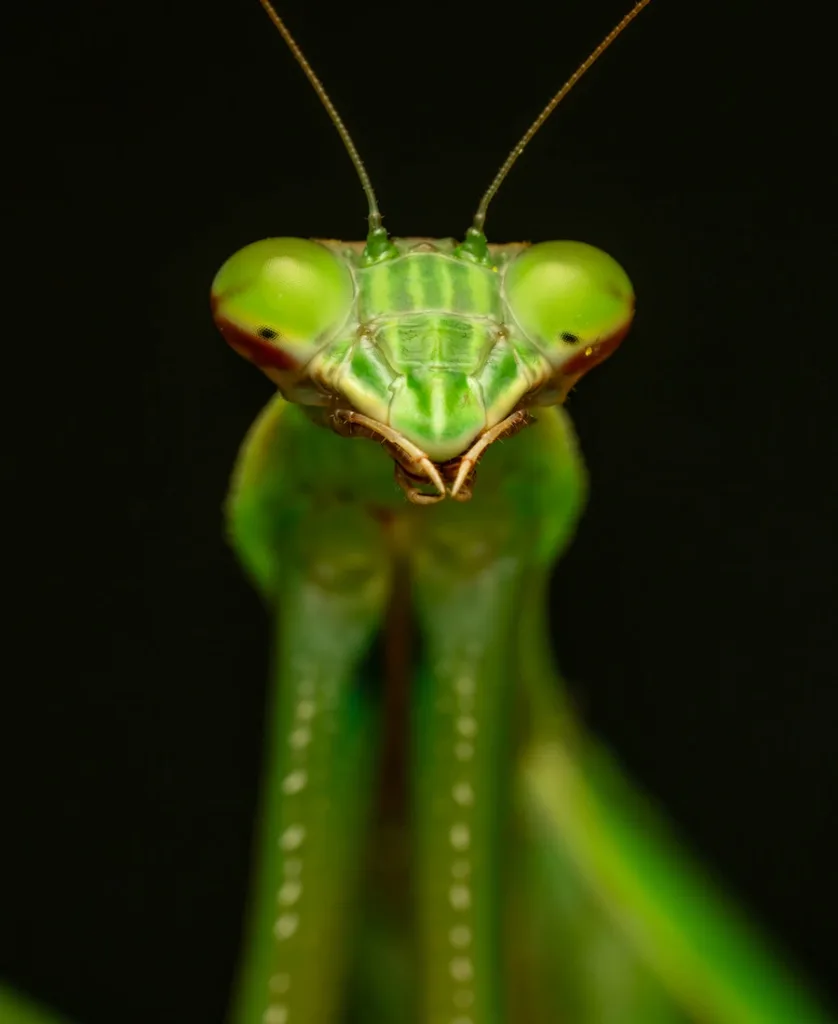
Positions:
{"x": 433, "y": 348}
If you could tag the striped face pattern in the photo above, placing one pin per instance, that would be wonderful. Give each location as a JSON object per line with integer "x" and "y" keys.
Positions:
{"x": 429, "y": 344}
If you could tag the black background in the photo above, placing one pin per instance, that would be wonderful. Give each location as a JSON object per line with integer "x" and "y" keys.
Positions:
{"x": 696, "y": 613}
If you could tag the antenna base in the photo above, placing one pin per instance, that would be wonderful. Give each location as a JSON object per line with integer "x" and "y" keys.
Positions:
{"x": 378, "y": 248}
{"x": 474, "y": 248}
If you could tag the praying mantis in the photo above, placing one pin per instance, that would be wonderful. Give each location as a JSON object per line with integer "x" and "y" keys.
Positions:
{"x": 593, "y": 923}
{"x": 425, "y": 598}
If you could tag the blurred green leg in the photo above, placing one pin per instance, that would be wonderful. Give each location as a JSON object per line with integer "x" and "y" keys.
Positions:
{"x": 573, "y": 965}
{"x": 319, "y": 769}
{"x": 461, "y": 736}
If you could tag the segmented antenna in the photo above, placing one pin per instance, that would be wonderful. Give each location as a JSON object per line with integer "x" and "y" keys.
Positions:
{"x": 489, "y": 194}
{"x": 374, "y": 216}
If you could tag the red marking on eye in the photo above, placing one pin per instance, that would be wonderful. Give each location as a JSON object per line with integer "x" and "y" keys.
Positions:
{"x": 259, "y": 351}
{"x": 585, "y": 360}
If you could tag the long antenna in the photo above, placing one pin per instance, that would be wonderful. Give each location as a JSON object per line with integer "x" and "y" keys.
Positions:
{"x": 374, "y": 216}
{"x": 489, "y": 194}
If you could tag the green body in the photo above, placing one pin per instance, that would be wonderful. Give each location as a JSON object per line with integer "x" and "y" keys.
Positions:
{"x": 439, "y": 842}
{"x": 506, "y": 873}
{"x": 329, "y": 549}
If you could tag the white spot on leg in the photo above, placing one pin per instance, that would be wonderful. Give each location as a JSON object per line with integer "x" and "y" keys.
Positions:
{"x": 275, "y": 1015}
{"x": 460, "y": 897}
{"x": 295, "y": 781}
{"x": 292, "y": 838}
{"x": 290, "y": 892}
{"x": 460, "y": 936}
{"x": 461, "y": 968}
{"x": 300, "y": 738}
{"x": 465, "y": 686}
{"x": 463, "y": 794}
{"x": 467, "y": 726}
{"x": 286, "y": 925}
{"x": 460, "y": 836}
{"x": 305, "y": 708}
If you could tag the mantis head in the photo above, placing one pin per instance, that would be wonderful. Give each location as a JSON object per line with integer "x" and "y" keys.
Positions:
{"x": 434, "y": 348}
{"x": 431, "y": 351}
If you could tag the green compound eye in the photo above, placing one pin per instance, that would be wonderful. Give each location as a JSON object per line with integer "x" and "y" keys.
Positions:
{"x": 574, "y": 301}
{"x": 277, "y": 301}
